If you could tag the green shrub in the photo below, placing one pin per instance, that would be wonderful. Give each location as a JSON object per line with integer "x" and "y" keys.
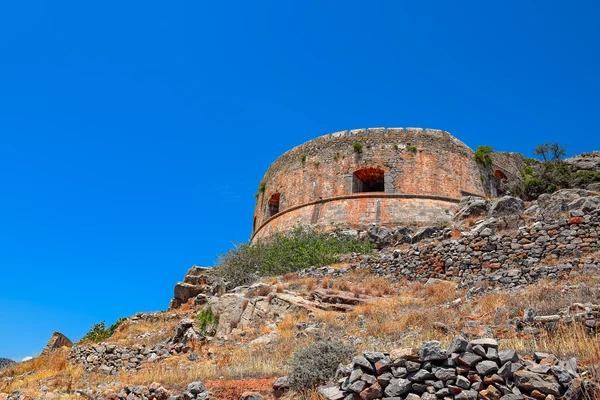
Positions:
{"x": 99, "y": 333}
{"x": 206, "y": 319}
{"x": 358, "y": 147}
{"x": 583, "y": 178}
{"x": 317, "y": 163}
{"x": 283, "y": 253}
{"x": 316, "y": 364}
{"x": 483, "y": 155}
{"x": 261, "y": 187}
{"x": 412, "y": 149}
{"x": 303, "y": 158}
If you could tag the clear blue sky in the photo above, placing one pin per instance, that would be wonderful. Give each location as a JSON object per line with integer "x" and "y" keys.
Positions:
{"x": 133, "y": 134}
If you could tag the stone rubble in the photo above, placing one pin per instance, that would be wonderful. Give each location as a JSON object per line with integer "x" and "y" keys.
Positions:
{"x": 465, "y": 371}
{"x": 109, "y": 359}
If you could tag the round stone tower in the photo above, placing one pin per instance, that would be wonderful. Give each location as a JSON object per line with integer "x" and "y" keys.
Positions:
{"x": 350, "y": 179}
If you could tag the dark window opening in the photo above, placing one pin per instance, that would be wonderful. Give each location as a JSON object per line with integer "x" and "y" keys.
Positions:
{"x": 500, "y": 175}
{"x": 274, "y": 204}
{"x": 368, "y": 180}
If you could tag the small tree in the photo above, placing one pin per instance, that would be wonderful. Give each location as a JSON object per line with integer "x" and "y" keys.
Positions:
{"x": 550, "y": 151}
{"x": 483, "y": 155}
{"x": 358, "y": 147}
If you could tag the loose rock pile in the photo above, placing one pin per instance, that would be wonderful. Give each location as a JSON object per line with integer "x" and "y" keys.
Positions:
{"x": 588, "y": 314}
{"x": 506, "y": 250}
{"x": 465, "y": 371}
{"x": 110, "y": 358}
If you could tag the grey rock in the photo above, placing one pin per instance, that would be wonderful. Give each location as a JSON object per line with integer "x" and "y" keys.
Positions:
{"x": 432, "y": 351}
{"x": 462, "y": 382}
{"x": 251, "y": 396}
{"x": 420, "y": 376}
{"x": 459, "y": 345}
{"x": 528, "y": 380}
{"x": 506, "y": 205}
{"x": 364, "y": 363}
{"x": 357, "y": 386}
{"x": 282, "y": 383}
{"x": 486, "y": 367}
{"x": 196, "y": 388}
{"x": 466, "y": 395}
{"x": 469, "y": 359}
{"x": 508, "y": 369}
{"x": 331, "y": 392}
{"x": 398, "y": 387}
{"x": 508, "y": 355}
{"x": 445, "y": 374}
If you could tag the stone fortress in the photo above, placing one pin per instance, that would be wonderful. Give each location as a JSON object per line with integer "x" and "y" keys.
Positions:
{"x": 386, "y": 176}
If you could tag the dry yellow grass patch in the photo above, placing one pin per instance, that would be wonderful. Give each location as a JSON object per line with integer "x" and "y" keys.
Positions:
{"x": 129, "y": 333}
{"x": 52, "y": 367}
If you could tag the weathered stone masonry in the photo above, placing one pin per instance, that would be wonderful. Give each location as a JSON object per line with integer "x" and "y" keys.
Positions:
{"x": 388, "y": 176}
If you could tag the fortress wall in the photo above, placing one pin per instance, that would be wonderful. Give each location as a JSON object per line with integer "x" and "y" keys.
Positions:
{"x": 323, "y": 168}
{"x": 358, "y": 212}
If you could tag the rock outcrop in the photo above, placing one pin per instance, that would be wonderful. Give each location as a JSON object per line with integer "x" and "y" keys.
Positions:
{"x": 585, "y": 161}
{"x": 197, "y": 281}
{"x": 56, "y": 342}
{"x": 5, "y": 363}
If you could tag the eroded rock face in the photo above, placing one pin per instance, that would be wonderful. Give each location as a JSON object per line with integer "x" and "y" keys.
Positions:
{"x": 57, "y": 341}
{"x": 552, "y": 207}
{"x": 585, "y": 162}
{"x": 197, "y": 281}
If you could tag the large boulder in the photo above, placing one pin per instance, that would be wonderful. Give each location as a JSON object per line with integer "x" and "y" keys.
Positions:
{"x": 425, "y": 232}
{"x": 381, "y": 236}
{"x": 198, "y": 280}
{"x": 471, "y": 206}
{"x": 546, "y": 384}
{"x": 229, "y": 308}
{"x": 57, "y": 341}
{"x": 185, "y": 331}
{"x": 506, "y": 205}
{"x": 585, "y": 162}
{"x": 551, "y": 207}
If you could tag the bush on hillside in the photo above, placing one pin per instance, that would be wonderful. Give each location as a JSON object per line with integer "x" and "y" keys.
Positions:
{"x": 99, "y": 333}
{"x": 549, "y": 174}
{"x": 583, "y": 178}
{"x": 316, "y": 363}
{"x": 284, "y": 253}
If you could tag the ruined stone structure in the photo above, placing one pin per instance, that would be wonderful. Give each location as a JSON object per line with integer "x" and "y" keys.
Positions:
{"x": 387, "y": 176}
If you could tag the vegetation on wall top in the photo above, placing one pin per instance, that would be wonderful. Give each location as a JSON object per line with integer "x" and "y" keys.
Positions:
{"x": 483, "y": 155}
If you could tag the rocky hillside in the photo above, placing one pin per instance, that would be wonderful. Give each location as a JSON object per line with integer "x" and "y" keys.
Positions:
{"x": 504, "y": 303}
{"x": 5, "y": 363}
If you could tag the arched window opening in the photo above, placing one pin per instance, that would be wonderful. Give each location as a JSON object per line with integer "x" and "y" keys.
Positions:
{"x": 500, "y": 175}
{"x": 368, "y": 180}
{"x": 274, "y": 204}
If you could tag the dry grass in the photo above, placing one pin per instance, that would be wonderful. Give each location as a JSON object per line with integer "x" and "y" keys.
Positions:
{"x": 53, "y": 369}
{"x": 409, "y": 315}
{"x": 131, "y": 333}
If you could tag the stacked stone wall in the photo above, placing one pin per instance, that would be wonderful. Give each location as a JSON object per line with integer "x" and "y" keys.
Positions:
{"x": 506, "y": 258}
